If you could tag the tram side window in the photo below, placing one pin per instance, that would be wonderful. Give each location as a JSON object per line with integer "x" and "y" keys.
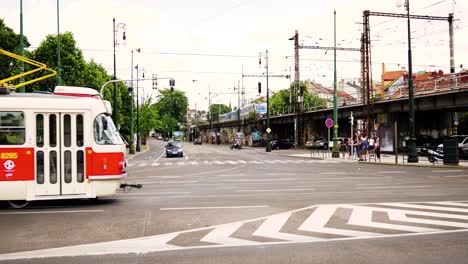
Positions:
{"x": 12, "y": 130}
{"x": 105, "y": 132}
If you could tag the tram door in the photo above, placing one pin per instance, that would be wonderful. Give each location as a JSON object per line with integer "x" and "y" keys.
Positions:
{"x": 60, "y": 164}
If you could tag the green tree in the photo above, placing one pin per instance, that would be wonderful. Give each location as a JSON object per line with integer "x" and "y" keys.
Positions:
{"x": 149, "y": 118}
{"x": 218, "y": 109}
{"x": 73, "y": 64}
{"x": 279, "y": 102}
{"x": 172, "y": 104}
{"x": 259, "y": 100}
{"x": 10, "y": 41}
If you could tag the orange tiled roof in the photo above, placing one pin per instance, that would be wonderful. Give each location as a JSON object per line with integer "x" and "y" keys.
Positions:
{"x": 392, "y": 75}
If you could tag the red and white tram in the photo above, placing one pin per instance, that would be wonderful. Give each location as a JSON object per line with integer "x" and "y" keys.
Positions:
{"x": 62, "y": 145}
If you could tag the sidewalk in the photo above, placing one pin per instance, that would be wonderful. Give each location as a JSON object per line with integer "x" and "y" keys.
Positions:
{"x": 385, "y": 159}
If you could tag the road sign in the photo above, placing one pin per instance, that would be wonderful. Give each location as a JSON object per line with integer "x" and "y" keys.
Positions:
{"x": 329, "y": 122}
{"x": 268, "y": 130}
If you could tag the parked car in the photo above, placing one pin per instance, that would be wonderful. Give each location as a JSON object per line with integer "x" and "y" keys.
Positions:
{"x": 462, "y": 144}
{"x": 174, "y": 149}
{"x": 160, "y": 138}
{"x": 319, "y": 143}
{"x": 281, "y": 144}
{"x": 423, "y": 144}
{"x": 197, "y": 141}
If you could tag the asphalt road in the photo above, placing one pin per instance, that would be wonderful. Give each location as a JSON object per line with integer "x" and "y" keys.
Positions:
{"x": 217, "y": 205}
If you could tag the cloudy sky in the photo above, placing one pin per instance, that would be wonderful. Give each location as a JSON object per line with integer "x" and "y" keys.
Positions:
{"x": 210, "y": 41}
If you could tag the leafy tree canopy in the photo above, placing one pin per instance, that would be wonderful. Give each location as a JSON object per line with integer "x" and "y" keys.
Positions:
{"x": 10, "y": 41}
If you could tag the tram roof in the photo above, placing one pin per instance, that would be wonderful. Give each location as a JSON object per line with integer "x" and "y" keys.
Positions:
{"x": 48, "y": 101}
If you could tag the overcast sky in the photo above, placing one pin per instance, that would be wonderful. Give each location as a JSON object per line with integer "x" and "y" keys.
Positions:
{"x": 211, "y": 40}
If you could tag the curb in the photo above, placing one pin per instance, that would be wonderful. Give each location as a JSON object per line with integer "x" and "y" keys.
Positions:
{"x": 385, "y": 163}
{"x": 144, "y": 150}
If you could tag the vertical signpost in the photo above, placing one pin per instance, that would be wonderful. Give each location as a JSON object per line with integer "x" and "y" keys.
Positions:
{"x": 328, "y": 124}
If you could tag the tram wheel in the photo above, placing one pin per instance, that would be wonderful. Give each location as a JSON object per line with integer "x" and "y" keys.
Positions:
{"x": 18, "y": 204}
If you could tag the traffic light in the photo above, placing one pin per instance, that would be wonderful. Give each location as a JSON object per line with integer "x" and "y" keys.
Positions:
{"x": 259, "y": 87}
{"x": 155, "y": 81}
{"x": 172, "y": 84}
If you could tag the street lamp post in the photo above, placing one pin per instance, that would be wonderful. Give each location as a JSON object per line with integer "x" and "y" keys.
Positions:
{"x": 412, "y": 154}
{"x": 268, "y": 144}
{"x": 335, "y": 153}
{"x": 115, "y": 30}
{"x": 132, "y": 146}
{"x": 138, "y": 143}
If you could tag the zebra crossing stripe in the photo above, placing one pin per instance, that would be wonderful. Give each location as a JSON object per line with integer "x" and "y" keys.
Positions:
{"x": 401, "y": 216}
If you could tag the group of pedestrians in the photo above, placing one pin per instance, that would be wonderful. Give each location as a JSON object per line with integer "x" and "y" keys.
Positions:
{"x": 360, "y": 147}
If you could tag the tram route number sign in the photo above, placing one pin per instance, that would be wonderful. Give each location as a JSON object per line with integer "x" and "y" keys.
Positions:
{"x": 329, "y": 122}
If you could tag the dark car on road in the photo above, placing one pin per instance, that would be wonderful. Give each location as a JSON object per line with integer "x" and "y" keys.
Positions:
{"x": 174, "y": 149}
{"x": 281, "y": 144}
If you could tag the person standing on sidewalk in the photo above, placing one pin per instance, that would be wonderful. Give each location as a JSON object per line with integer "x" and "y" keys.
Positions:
{"x": 377, "y": 148}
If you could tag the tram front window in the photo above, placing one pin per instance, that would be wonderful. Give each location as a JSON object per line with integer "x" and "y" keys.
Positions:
{"x": 105, "y": 132}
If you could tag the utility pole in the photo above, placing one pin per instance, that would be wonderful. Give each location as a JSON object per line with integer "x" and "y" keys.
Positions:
{"x": 21, "y": 89}
{"x": 59, "y": 70}
{"x": 138, "y": 145}
{"x": 238, "y": 107}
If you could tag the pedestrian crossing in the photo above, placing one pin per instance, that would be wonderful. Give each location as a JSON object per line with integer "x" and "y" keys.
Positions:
{"x": 313, "y": 224}
{"x": 162, "y": 163}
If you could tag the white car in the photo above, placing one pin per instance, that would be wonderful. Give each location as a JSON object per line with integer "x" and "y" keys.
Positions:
{"x": 462, "y": 144}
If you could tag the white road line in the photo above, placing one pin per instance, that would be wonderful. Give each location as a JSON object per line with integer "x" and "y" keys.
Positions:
{"x": 154, "y": 164}
{"x": 450, "y": 203}
{"x": 156, "y": 160}
{"x": 242, "y": 161}
{"x": 213, "y": 207}
{"x": 218, "y": 162}
{"x": 142, "y": 164}
{"x": 231, "y": 162}
{"x": 151, "y": 193}
{"x": 231, "y": 175}
{"x": 164, "y": 177}
{"x": 274, "y": 190}
{"x": 391, "y": 172}
{"x": 52, "y": 212}
{"x": 255, "y": 162}
{"x": 280, "y": 174}
{"x": 261, "y": 180}
{"x": 281, "y": 161}
{"x": 427, "y": 207}
{"x": 332, "y": 173}
{"x": 455, "y": 176}
{"x": 446, "y": 171}
{"x": 395, "y": 187}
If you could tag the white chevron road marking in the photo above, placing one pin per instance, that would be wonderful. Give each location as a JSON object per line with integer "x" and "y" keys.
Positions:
{"x": 320, "y": 217}
{"x": 136, "y": 245}
{"x": 362, "y": 216}
{"x": 222, "y": 235}
{"x": 272, "y": 226}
